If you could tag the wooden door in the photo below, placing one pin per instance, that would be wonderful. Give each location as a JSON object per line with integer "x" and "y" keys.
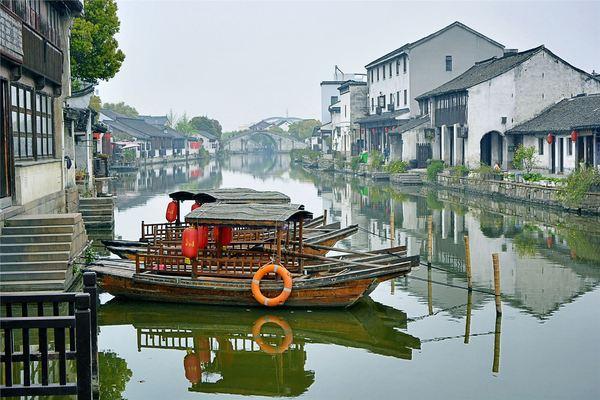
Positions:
{"x": 6, "y": 165}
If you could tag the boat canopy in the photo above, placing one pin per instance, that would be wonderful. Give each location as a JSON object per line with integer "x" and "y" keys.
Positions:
{"x": 251, "y": 214}
{"x": 232, "y": 195}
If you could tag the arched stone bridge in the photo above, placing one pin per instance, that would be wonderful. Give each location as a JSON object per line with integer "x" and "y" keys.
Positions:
{"x": 259, "y": 141}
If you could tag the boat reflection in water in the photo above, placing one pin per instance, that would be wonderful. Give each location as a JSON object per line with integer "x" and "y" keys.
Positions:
{"x": 255, "y": 351}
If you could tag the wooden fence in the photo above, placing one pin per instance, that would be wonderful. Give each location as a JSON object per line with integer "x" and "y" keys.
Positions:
{"x": 45, "y": 334}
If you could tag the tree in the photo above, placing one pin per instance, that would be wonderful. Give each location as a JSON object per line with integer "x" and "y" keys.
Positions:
{"x": 121, "y": 108}
{"x": 183, "y": 124}
{"x": 95, "y": 53}
{"x": 95, "y": 103}
{"x": 276, "y": 129}
{"x": 206, "y": 124}
{"x": 525, "y": 158}
{"x": 303, "y": 129}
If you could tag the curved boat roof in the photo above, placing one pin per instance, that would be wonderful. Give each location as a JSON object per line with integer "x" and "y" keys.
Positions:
{"x": 248, "y": 214}
{"x": 232, "y": 195}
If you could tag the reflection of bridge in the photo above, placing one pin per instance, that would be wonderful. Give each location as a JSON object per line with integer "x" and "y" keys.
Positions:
{"x": 257, "y": 141}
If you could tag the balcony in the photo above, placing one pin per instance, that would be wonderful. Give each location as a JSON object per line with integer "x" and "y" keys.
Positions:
{"x": 41, "y": 57}
{"x": 11, "y": 40}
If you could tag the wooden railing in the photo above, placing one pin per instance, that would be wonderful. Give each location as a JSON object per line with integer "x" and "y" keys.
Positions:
{"x": 66, "y": 328}
{"x": 41, "y": 57}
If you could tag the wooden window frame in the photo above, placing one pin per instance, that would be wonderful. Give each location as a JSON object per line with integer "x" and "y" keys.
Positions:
{"x": 449, "y": 64}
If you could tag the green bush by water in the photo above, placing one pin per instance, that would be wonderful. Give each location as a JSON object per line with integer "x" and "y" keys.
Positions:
{"x": 396, "y": 167}
{"x": 433, "y": 169}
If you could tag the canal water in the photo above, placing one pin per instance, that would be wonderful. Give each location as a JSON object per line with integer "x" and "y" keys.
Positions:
{"x": 420, "y": 336}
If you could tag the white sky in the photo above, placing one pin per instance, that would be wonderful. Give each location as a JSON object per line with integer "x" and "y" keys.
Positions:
{"x": 240, "y": 62}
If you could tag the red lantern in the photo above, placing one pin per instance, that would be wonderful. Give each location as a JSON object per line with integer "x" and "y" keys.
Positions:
{"x": 550, "y": 138}
{"x": 172, "y": 211}
{"x": 195, "y": 205}
{"x": 193, "y": 370}
{"x": 96, "y": 135}
{"x": 574, "y": 136}
{"x": 189, "y": 243}
{"x": 223, "y": 235}
{"x": 387, "y": 129}
{"x": 202, "y": 237}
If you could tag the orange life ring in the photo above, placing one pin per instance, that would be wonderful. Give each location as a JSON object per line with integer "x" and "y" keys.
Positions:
{"x": 287, "y": 285}
{"x": 267, "y": 348}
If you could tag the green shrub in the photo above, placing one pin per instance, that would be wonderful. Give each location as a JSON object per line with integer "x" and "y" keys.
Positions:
{"x": 533, "y": 177}
{"x": 355, "y": 163}
{"x": 376, "y": 160}
{"x": 129, "y": 155}
{"x": 396, "y": 167}
{"x": 525, "y": 158}
{"x": 433, "y": 169}
{"x": 577, "y": 185}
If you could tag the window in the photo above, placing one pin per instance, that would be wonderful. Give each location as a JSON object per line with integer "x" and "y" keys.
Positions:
{"x": 569, "y": 147}
{"x": 404, "y": 64}
{"x": 377, "y": 74}
{"x": 333, "y": 100}
{"x": 397, "y": 97}
{"x": 405, "y": 97}
{"x": 372, "y": 104}
{"x": 383, "y": 69}
{"x": 448, "y": 63}
{"x": 541, "y": 146}
{"x": 391, "y": 98}
{"x": 344, "y": 111}
{"x": 32, "y": 123}
{"x": 391, "y": 69}
{"x": 381, "y": 101}
{"x": 398, "y": 67}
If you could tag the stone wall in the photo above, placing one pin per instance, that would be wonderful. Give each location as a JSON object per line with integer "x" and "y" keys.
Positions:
{"x": 518, "y": 191}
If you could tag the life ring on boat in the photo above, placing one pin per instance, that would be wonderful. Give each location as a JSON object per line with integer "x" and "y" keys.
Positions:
{"x": 267, "y": 348}
{"x": 287, "y": 285}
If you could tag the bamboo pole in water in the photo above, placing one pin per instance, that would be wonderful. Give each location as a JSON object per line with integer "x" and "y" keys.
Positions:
{"x": 429, "y": 291}
{"x": 392, "y": 223}
{"x": 324, "y": 217}
{"x": 430, "y": 238}
{"x": 468, "y": 263}
{"x": 496, "y": 364}
{"x": 468, "y": 319}
{"x": 496, "y": 265}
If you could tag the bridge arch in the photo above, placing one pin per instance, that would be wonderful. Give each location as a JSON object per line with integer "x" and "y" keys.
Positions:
{"x": 261, "y": 141}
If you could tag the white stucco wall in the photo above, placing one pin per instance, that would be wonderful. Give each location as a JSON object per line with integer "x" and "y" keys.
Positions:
{"x": 519, "y": 95}
{"x": 34, "y": 180}
{"x": 328, "y": 89}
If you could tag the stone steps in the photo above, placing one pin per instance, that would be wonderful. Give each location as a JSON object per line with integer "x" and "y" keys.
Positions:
{"x": 97, "y": 212}
{"x": 16, "y": 266}
{"x": 38, "y": 256}
{"x": 6, "y": 276}
{"x": 7, "y": 248}
{"x": 28, "y": 285}
{"x": 34, "y": 230}
{"x": 43, "y": 220}
{"x": 37, "y": 238}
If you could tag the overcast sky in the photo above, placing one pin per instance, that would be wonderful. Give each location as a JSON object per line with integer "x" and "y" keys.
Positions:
{"x": 240, "y": 62}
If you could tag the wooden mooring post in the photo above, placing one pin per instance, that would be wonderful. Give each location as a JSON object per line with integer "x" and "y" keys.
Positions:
{"x": 324, "y": 217}
{"x": 90, "y": 287}
{"x": 468, "y": 318}
{"x": 496, "y": 265}
{"x": 468, "y": 263}
{"x": 496, "y": 362}
{"x": 429, "y": 238}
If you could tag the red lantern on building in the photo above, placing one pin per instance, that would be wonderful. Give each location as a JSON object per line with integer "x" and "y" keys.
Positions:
{"x": 550, "y": 138}
{"x": 96, "y": 135}
{"x": 189, "y": 242}
{"x": 193, "y": 370}
{"x": 195, "y": 205}
{"x": 223, "y": 235}
{"x": 574, "y": 136}
{"x": 172, "y": 211}
{"x": 387, "y": 129}
{"x": 202, "y": 237}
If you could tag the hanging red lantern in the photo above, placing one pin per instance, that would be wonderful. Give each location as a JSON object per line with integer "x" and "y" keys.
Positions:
{"x": 574, "y": 136}
{"x": 172, "y": 210}
{"x": 387, "y": 129}
{"x": 202, "y": 237}
{"x": 96, "y": 135}
{"x": 195, "y": 205}
{"x": 550, "y": 138}
{"x": 189, "y": 242}
{"x": 193, "y": 370}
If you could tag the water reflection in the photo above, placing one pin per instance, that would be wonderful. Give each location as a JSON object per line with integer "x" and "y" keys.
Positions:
{"x": 544, "y": 264}
{"x": 233, "y": 351}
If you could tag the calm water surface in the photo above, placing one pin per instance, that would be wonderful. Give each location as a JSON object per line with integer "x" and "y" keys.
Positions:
{"x": 411, "y": 339}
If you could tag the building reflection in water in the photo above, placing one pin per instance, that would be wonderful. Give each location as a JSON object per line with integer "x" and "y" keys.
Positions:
{"x": 547, "y": 258}
{"x": 232, "y": 351}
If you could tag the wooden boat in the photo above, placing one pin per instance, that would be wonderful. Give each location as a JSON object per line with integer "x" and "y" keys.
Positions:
{"x": 222, "y": 341}
{"x": 316, "y": 231}
{"x": 224, "y": 276}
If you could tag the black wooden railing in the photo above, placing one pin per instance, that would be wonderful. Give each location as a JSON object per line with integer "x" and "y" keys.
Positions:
{"x": 64, "y": 326}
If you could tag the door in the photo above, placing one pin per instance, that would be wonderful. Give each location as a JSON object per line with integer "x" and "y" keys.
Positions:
{"x": 561, "y": 166}
{"x": 553, "y": 157}
{"x": 6, "y": 165}
{"x": 589, "y": 150}
{"x": 485, "y": 149}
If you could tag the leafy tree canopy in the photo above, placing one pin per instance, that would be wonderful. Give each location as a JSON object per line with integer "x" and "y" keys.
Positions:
{"x": 113, "y": 373}
{"x": 183, "y": 124}
{"x": 276, "y": 129}
{"x": 206, "y": 124}
{"x": 95, "y": 103}
{"x": 121, "y": 108}
{"x": 95, "y": 53}
{"x": 303, "y": 129}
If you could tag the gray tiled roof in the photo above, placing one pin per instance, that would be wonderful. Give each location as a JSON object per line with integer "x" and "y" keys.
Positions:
{"x": 481, "y": 72}
{"x": 409, "y": 46}
{"x": 141, "y": 126}
{"x": 413, "y": 123}
{"x": 577, "y": 112}
{"x": 161, "y": 120}
{"x": 116, "y": 126}
{"x": 381, "y": 117}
